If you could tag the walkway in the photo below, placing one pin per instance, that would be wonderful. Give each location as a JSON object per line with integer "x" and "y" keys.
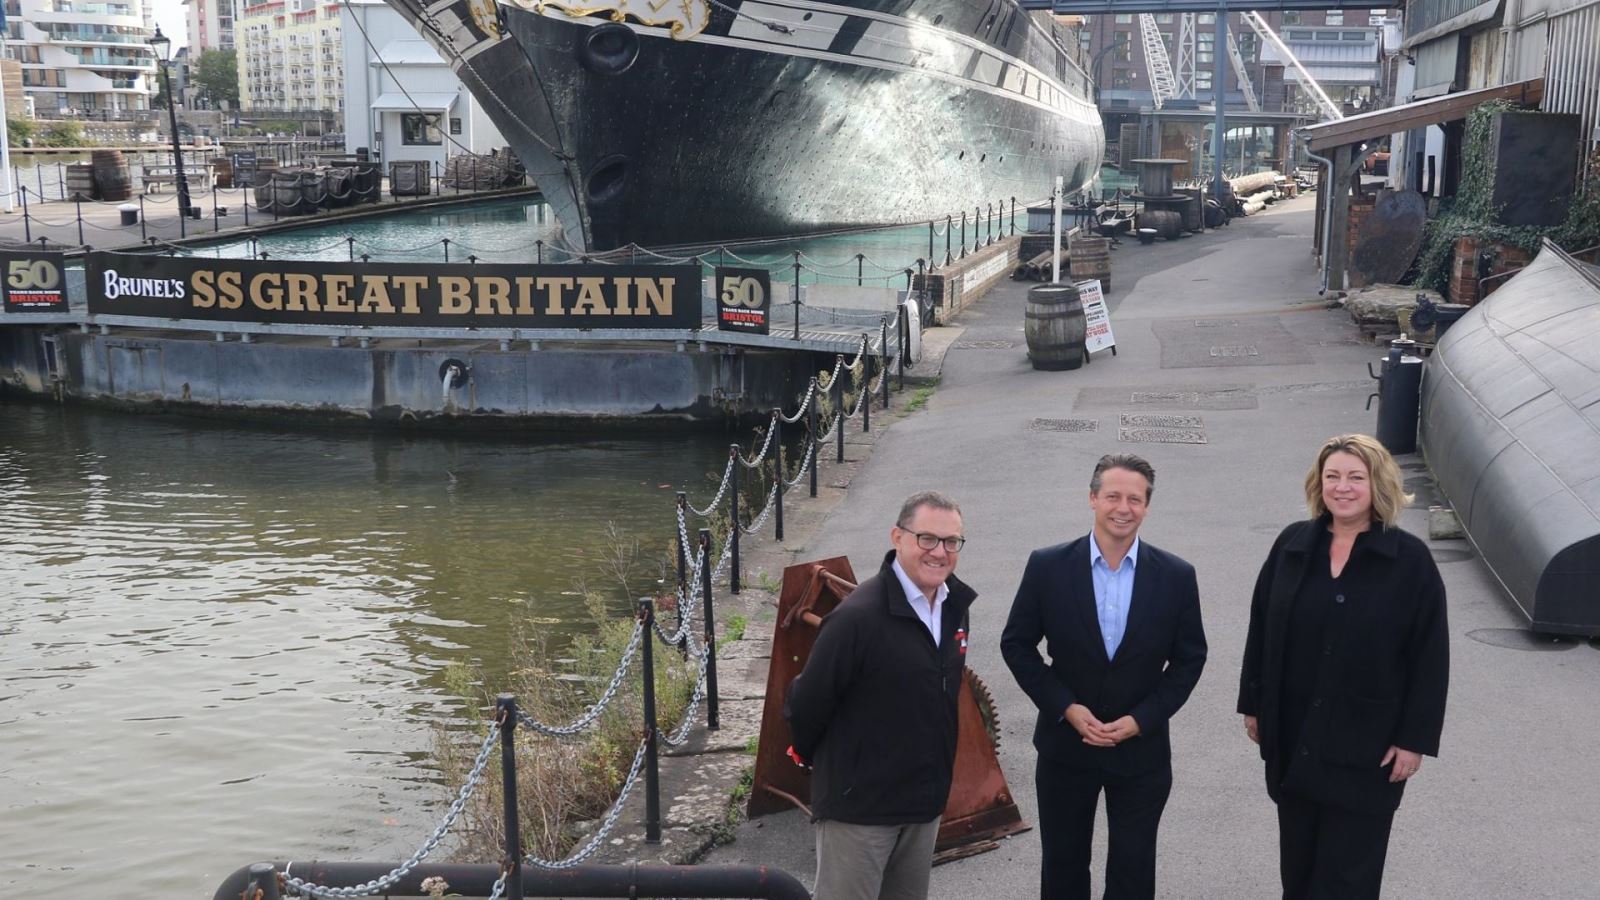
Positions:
{"x": 1225, "y": 328}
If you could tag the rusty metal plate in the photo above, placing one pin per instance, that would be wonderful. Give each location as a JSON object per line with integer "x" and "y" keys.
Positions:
{"x": 984, "y": 345}
{"x": 1160, "y": 436}
{"x": 1391, "y": 235}
{"x": 1075, "y": 425}
{"x": 1158, "y": 421}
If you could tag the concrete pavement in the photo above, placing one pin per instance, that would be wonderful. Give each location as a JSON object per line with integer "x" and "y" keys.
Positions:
{"x": 1227, "y": 329}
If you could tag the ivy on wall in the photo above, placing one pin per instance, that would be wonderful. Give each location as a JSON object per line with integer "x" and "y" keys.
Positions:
{"x": 1471, "y": 212}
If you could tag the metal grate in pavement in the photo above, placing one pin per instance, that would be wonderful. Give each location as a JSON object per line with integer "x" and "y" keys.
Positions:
{"x": 1074, "y": 425}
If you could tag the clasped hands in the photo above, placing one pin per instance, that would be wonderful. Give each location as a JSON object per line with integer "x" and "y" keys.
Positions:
{"x": 1097, "y": 733}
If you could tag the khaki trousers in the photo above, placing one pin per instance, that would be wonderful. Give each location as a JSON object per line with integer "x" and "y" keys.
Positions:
{"x": 874, "y": 862}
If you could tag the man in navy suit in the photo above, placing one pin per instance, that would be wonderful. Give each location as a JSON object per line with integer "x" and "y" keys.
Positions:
{"x": 1126, "y": 646}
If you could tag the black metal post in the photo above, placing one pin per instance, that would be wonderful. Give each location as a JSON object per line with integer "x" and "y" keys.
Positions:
{"x": 652, "y": 765}
{"x": 27, "y": 226}
{"x": 963, "y": 234}
{"x": 903, "y": 329}
{"x": 712, "y": 723}
{"x": 39, "y": 171}
{"x": 838, "y": 402}
{"x": 861, "y": 259}
{"x": 991, "y": 224}
{"x": 947, "y": 233}
{"x": 179, "y": 176}
{"x": 446, "y": 242}
{"x": 79, "y": 204}
{"x": 350, "y": 242}
{"x": 796, "y": 291}
{"x": 777, "y": 466}
{"x": 263, "y": 882}
{"x": 930, "y": 239}
{"x": 1013, "y": 217}
{"x": 216, "y": 214}
{"x": 811, "y": 435}
{"x": 733, "y": 516}
{"x": 883, "y": 360}
{"x": 539, "y": 245}
{"x": 61, "y": 183}
{"x": 244, "y": 197}
{"x": 862, "y": 388}
{"x": 506, "y": 706}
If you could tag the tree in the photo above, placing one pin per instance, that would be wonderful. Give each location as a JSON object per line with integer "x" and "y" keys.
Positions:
{"x": 216, "y": 75}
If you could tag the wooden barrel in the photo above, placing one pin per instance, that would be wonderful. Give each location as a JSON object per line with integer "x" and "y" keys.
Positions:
{"x": 1091, "y": 258}
{"x": 1055, "y": 327}
{"x": 289, "y": 193}
{"x": 111, "y": 178}
{"x": 339, "y": 185}
{"x": 1190, "y": 210}
{"x": 222, "y": 171}
{"x": 1168, "y": 224}
{"x": 80, "y": 181}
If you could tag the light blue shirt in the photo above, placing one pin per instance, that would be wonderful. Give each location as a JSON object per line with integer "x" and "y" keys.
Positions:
{"x": 1113, "y": 592}
{"x": 933, "y": 618}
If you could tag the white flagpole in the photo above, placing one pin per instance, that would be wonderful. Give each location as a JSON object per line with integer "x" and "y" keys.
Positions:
{"x": 1055, "y": 265}
{"x": 5, "y": 139}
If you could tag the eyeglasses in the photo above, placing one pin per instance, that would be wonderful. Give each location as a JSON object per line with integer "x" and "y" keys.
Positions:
{"x": 929, "y": 541}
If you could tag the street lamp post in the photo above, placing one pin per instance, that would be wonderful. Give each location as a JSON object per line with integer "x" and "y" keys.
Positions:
{"x": 162, "y": 45}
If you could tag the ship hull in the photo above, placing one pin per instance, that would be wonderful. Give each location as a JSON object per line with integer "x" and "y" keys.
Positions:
{"x": 860, "y": 115}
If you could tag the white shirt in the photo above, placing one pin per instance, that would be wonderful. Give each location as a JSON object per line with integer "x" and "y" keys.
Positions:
{"x": 1113, "y": 592}
{"x": 933, "y": 618}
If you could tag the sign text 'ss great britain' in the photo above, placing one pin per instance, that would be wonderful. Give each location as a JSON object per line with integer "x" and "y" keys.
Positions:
{"x": 395, "y": 294}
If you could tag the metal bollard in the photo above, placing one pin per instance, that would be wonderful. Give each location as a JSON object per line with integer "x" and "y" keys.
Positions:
{"x": 838, "y": 403}
{"x": 733, "y": 516}
{"x": 263, "y": 883}
{"x": 1399, "y": 396}
{"x": 652, "y": 764}
{"x": 777, "y": 466}
{"x": 796, "y": 293}
{"x": 883, "y": 360}
{"x": 506, "y": 707}
{"x": 80, "y": 222}
{"x": 811, "y": 436}
{"x": 27, "y": 225}
{"x": 863, "y": 387}
{"x": 446, "y": 242}
{"x": 711, "y": 631}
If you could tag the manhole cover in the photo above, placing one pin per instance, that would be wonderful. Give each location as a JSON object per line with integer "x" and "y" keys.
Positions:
{"x": 1518, "y": 639}
{"x": 1215, "y": 323}
{"x": 985, "y": 345}
{"x": 1160, "y": 436}
{"x": 1232, "y": 351}
{"x": 1156, "y": 421}
{"x": 1064, "y": 425}
{"x": 1450, "y": 556}
{"x": 1226, "y": 398}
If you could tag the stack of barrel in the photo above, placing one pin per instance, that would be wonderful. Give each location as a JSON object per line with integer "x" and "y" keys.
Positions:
{"x": 1091, "y": 258}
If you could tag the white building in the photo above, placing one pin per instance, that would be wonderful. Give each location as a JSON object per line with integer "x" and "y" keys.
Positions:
{"x": 210, "y": 25}
{"x": 290, "y": 55}
{"x": 403, "y": 99}
{"x": 82, "y": 57}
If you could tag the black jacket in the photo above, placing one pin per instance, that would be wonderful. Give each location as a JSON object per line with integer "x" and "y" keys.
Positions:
{"x": 1157, "y": 665}
{"x": 1383, "y": 676}
{"x": 874, "y": 710}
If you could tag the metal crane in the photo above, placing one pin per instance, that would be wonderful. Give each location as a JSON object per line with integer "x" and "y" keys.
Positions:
{"x": 1163, "y": 85}
{"x": 1240, "y": 73}
{"x": 1331, "y": 109}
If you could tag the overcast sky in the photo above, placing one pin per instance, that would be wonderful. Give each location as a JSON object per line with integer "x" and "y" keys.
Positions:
{"x": 170, "y": 16}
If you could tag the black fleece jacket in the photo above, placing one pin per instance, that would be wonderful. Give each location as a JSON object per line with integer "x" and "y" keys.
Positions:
{"x": 874, "y": 710}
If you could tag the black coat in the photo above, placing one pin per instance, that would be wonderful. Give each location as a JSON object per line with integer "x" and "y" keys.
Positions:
{"x": 1383, "y": 676}
{"x": 1157, "y": 665}
{"x": 874, "y": 710}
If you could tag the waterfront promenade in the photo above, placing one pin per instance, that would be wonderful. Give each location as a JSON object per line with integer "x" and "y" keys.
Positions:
{"x": 1228, "y": 328}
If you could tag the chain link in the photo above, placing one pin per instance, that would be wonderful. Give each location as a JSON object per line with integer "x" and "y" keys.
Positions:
{"x": 805, "y": 403}
{"x": 585, "y": 720}
{"x": 805, "y": 466}
{"x": 765, "y": 512}
{"x": 677, "y": 738}
{"x": 382, "y": 885}
{"x": 727, "y": 476}
{"x": 765, "y": 446}
{"x": 610, "y": 821}
{"x": 838, "y": 419}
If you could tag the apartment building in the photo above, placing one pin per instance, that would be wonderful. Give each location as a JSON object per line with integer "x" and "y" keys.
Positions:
{"x": 291, "y": 56}
{"x": 80, "y": 57}
{"x": 210, "y": 25}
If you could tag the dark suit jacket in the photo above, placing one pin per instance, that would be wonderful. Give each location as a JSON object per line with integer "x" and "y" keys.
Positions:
{"x": 1157, "y": 664}
{"x": 1383, "y": 674}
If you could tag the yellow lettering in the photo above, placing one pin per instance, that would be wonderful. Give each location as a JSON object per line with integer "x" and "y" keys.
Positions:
{"x": 302, "y": 292}
{"x": 204, "y": 297}
{"x": 553, "y": 288}
{"x": 493, "y": 292}
{"x": 657, "y": 293}
{"x": 265, "y": 293}
{"x": 231, "y": 285}
{"x": 524, "y": 295}
{"x": 375, "y": 296}
{"x": 337, "y": 291}
{"x": 591, "y": 298}
{"x": 410, "y": 286}
{"x": 623, "y": 284}
{"x": 455, "y": 295}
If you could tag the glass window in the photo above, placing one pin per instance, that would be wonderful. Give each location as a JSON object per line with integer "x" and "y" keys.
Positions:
{"x": 1356, "y": 35}
{"x": 1291, "y": 17}
{"x": 1327, "y": 35}
{"x": 1334, "y": 17}
{"x": 420, "y": 129}
{"x": 1208, "y": 18}
{"x": 1163, "y": 18}
{"x": 455, "y": 125}
{"x": 1124, "y": 19}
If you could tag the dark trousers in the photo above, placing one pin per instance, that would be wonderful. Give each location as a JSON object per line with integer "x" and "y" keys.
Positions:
{"x": 1068, "y": 798}
{"x": 1327, "y": 853}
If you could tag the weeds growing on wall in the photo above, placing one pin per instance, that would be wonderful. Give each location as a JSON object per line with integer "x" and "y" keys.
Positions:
{"x": 1471, "y": 212}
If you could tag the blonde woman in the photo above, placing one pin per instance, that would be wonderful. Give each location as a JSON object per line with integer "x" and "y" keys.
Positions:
{"x": 1345, "y": 671}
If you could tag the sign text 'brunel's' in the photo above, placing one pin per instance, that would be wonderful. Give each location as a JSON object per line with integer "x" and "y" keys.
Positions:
{"x": 478, "y": 296}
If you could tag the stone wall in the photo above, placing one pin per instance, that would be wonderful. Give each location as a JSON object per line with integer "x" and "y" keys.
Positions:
{"x": 952, "y": 287}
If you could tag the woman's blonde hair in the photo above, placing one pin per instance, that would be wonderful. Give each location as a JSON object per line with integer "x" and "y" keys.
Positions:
{"x": 1388, "y": 490}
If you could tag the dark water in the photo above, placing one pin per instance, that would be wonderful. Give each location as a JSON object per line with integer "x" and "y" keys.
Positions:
{"x": 219, "y": 644}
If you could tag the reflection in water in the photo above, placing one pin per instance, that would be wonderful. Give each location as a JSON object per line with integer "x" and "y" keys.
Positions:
{"x": 219, "y": 644}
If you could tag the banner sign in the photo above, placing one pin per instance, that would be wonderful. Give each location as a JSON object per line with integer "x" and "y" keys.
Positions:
{"x": 288, "y": 292}
{"x": 1097, "y": 321}
{"x": 33, "y": 282}
{"x": 244, "y": 162}
{"x": 744, "y": 300}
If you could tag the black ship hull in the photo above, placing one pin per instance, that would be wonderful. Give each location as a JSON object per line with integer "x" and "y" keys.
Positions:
{"x": 782, "y": 118}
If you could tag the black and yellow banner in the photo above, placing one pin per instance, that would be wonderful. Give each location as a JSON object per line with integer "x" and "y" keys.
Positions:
{"x": 33, "y": 281}
{"x": 285, "y": 292}
{"x": 744, "y": 299}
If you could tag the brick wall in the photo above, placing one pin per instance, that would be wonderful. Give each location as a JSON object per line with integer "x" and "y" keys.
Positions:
{"x": 1464, "y": 275}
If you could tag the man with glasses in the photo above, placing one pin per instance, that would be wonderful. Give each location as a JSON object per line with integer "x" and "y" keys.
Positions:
{"x": 1122, "y": 622}
{"x": 875, "y": 711}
